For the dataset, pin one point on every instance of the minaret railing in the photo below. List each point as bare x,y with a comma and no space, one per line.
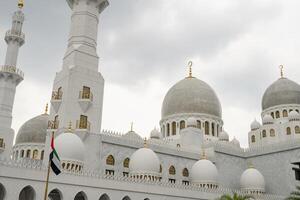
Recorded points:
11,69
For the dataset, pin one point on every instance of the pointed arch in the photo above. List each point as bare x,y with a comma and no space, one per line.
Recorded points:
185,172
272,133
35,154
27,193
182,124
104,197
288,131
55,195
110,160
126,198
285,113
80,196
172,170
2,192
173,128
206,127
253,138
126,163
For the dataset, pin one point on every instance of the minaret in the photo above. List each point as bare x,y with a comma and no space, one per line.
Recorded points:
10,77
78,88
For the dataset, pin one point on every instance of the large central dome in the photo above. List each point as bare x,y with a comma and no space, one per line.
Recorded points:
191,95
282,91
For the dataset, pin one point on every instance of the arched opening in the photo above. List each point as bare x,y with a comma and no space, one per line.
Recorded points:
55,195
35,154
28,152
172,170
173,128
126,163
146,199
126,198
272,133
2,192
218,130
110,160
285,113
80,196
27,193
264,133
277,114
206,128
168,129
297,129
160,169
163,130
272,114
199,124
16,156
213,129
182,124
288,131
185,172
104,197
42,154
253,138
22,154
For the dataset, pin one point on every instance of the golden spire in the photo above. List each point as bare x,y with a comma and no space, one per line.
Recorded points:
281,70
46,109
70,127
190,64
21,4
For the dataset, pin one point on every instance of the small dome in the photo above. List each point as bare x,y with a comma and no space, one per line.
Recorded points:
132,135
191,95
191,122
255,125
282,91
34,130
69,147
235,142
204,172
155,134
224,136
294,115
144,162
252,180
268,119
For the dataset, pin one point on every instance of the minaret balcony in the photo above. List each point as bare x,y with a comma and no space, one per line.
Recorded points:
53,125
83,125
13,35
12,70
2,145
85,100
56,100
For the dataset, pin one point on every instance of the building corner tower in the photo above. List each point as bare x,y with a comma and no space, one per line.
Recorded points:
77,96
10,77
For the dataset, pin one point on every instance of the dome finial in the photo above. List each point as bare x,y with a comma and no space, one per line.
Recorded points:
145,143
46,109
21,4
281,70
70,127
190,64
203,154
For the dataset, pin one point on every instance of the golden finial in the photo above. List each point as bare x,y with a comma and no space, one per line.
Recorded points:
145,143
281,70
46,109
190,64
21,4
70,127
203,154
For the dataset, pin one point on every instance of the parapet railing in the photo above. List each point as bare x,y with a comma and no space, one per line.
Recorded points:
11,69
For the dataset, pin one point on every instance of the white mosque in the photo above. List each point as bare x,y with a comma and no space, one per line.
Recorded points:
189,158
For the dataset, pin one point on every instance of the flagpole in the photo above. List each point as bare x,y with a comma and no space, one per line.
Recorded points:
48,174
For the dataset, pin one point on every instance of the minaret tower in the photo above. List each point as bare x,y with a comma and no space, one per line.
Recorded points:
10,77
78,88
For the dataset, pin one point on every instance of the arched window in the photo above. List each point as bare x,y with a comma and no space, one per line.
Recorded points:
126,198
288,131
126,163
253,138
22,154
206,128
55,195
168,129
172,170
217,130
42,154
35,154
16,157
213,129
272,114
277,114
80,196
182,124
110,160
173,128
297,129
199,124
2,192
27,193
160,169
83,122
104,197
185,172
285,113
272,133
264,133
28,152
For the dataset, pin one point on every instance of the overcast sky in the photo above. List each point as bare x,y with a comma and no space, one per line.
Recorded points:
144,46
